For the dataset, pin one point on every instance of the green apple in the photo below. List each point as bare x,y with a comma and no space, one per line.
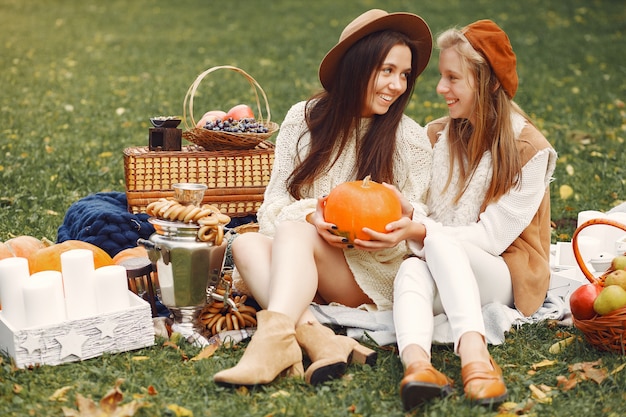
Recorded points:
617,277
610,299
619,262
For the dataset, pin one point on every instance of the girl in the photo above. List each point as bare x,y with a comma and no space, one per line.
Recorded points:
354,127
487,237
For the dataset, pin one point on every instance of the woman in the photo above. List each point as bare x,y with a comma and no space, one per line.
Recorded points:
487,236
353,128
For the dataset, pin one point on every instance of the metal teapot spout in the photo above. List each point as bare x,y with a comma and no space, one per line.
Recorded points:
155,251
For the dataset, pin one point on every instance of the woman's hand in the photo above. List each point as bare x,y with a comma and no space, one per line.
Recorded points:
325,229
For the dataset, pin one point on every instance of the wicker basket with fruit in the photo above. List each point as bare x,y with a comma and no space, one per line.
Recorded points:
236,129
601,317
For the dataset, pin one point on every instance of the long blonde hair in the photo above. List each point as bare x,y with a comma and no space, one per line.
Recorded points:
492,130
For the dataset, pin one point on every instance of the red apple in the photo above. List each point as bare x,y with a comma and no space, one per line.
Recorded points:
240,111
211,116
581,301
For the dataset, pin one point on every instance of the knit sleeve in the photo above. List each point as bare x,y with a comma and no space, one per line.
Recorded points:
278,204
413,167
502,222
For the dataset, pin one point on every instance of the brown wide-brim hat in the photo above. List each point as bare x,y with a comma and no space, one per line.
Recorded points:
377,20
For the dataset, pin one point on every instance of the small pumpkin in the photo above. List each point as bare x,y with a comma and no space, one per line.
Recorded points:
353,205
49,258
20,246
128,253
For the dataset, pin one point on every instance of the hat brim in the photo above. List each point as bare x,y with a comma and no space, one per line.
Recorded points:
411,25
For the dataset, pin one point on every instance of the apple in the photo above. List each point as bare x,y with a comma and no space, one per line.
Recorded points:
610,299
240,111
210,116
581,301
619,262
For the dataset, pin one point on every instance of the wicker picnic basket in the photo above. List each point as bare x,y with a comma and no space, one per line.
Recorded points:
219,140
235,179
607,332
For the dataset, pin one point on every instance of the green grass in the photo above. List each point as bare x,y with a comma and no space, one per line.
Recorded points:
80,80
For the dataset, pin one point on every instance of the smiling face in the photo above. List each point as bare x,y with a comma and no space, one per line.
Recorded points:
389,82
457,85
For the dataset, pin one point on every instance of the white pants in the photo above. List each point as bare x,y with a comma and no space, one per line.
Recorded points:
456,278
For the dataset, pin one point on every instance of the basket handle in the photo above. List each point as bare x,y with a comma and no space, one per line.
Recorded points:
579,259
188,102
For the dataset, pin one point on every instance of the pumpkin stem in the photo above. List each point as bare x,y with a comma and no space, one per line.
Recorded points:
47,242
366,181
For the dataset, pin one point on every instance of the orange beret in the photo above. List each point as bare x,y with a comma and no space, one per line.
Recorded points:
489,40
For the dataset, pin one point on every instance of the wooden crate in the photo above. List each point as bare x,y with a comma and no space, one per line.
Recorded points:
76,340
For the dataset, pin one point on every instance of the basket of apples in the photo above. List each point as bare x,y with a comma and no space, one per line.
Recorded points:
236,128
599,307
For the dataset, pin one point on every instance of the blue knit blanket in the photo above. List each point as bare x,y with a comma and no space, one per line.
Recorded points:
102,219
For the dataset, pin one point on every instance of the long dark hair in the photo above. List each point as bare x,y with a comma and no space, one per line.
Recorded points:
332,116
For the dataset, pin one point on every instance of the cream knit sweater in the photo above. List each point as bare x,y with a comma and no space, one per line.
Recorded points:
373,271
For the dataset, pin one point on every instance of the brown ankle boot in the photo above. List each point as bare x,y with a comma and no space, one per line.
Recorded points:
272,351
329,353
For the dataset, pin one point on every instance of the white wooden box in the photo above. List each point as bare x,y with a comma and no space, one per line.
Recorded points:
77,340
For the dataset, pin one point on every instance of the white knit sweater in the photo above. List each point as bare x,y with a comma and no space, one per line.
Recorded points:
503,221
373,271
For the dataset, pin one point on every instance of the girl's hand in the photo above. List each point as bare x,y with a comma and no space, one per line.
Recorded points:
396,232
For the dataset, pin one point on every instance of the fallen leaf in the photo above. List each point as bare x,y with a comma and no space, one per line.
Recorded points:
590,370
543,364
108,407
566,384
152,390
140,358
280,393
180,411
510,408
559,346
60,394
618,369
17,388
111,399
205,353
539,395
565,191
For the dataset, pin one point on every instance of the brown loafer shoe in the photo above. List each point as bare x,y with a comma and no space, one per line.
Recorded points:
482,384
421,383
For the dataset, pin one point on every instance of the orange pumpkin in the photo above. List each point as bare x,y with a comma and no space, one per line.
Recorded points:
20,246
49,258
134,252
353,205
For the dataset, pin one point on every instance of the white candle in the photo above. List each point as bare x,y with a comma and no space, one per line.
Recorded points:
77,266
111,288
43,299
586,215
13,272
